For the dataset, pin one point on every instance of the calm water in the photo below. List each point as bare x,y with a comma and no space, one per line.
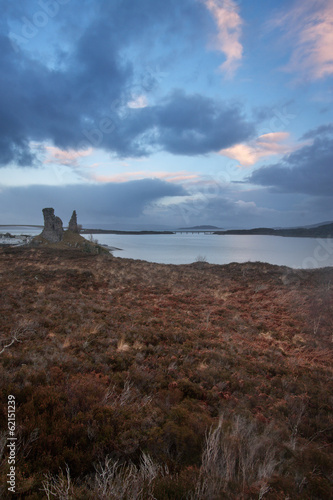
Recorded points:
186,248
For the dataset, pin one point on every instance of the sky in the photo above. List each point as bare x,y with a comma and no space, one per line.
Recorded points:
164,114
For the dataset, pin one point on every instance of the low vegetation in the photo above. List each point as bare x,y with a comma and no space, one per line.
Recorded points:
135,380
71,240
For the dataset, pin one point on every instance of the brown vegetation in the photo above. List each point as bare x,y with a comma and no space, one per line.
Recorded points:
136,380
70,239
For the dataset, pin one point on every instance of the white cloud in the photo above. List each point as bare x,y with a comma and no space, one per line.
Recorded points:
266,145
309,30
137,102
229,25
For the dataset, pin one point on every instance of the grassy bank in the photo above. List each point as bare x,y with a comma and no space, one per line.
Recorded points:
139,380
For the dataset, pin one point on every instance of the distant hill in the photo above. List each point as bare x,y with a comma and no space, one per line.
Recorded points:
319,224
308,226
318,231
199,228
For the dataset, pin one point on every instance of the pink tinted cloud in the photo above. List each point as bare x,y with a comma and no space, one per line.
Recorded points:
130,176
266,145
309,30
63,157
229,25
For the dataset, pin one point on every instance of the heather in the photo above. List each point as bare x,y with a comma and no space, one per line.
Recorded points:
139,380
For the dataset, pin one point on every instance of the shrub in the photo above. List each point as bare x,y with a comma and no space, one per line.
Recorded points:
237,454
115,481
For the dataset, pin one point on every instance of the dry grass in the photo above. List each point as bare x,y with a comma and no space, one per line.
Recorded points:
114,360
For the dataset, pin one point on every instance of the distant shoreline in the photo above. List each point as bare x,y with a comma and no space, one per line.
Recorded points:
20,225
112,231
324,231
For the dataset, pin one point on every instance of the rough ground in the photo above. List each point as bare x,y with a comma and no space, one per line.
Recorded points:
112,360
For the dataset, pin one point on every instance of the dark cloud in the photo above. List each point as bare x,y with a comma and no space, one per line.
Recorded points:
262,113
93,202
278,115
198,125
78,98
181,124
323,130
308,170
224,211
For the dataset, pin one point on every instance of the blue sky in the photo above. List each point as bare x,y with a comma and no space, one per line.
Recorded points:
166,113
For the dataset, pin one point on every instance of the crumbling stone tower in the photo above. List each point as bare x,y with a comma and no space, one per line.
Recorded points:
72,226
53,230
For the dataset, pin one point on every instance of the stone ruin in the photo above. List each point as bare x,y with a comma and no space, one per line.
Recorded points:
72,226
53,230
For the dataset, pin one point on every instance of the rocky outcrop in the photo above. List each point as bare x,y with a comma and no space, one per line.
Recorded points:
54,233
53,230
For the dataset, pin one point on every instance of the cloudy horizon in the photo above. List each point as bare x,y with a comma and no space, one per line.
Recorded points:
167,114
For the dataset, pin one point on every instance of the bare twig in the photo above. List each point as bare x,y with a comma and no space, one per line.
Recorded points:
18,335
60,486
316,323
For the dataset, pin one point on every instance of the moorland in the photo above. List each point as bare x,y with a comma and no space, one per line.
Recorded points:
139,380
